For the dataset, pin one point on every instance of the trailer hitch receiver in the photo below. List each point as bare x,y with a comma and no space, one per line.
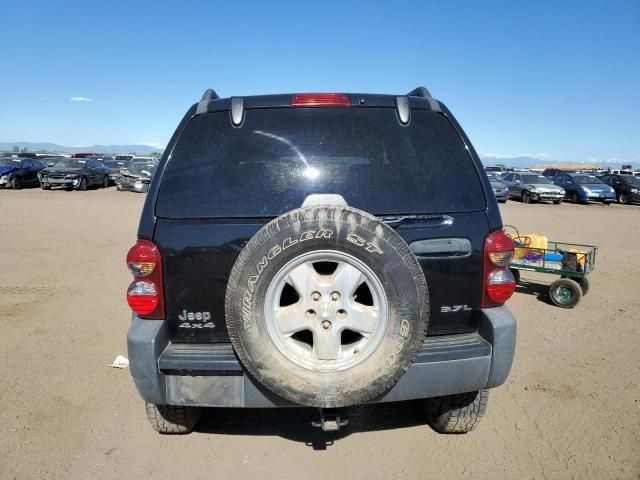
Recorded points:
330,421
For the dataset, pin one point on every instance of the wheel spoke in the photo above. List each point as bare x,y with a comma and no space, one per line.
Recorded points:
361,318
304,279
291,319
326,344
346,279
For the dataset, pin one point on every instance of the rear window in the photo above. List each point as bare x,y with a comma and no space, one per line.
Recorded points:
280,156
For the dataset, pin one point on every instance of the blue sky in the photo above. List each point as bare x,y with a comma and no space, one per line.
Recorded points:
556,80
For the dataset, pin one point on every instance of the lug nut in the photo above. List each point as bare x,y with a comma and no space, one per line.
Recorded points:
310,314
326,324
341,314
335,296
316,296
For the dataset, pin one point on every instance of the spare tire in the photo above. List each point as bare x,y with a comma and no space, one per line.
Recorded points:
327,306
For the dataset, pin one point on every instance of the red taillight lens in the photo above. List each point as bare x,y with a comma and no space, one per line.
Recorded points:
142,258
145,294
499,283
500,248
320,100
142,297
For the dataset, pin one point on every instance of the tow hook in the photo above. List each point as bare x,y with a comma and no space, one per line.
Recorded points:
330,420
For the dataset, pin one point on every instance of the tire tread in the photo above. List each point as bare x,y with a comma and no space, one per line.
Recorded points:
458,413
172,419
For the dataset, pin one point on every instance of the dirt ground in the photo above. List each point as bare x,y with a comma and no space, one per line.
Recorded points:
570,409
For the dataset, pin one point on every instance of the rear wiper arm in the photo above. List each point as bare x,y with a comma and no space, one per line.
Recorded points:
431,220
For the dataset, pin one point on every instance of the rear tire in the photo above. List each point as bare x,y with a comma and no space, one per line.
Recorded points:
16,183
105,181
458,413
565,293
557,202
526,197
623,198
83,184
172,419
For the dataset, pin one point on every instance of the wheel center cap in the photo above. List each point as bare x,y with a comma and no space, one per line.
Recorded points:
326,311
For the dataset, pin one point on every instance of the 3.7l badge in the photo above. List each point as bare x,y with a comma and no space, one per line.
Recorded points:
455,308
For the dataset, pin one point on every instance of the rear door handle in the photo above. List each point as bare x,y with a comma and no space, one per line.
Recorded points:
441,247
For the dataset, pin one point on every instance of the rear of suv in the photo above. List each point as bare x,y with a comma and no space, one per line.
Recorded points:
320,250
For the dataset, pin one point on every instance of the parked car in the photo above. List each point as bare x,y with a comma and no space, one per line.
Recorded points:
102,158
275,268
50,161
500,190
581,187
74,173
550,173
495,170
84,154
19,154
115,166
137,175
528,186
627,187
18,172
123,158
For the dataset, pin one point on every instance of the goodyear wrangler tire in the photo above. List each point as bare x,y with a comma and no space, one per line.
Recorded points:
326,306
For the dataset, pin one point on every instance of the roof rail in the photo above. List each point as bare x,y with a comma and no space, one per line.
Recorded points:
209,94
419,92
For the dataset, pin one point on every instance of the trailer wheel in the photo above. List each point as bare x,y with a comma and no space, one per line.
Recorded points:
565,293
583,282
584,285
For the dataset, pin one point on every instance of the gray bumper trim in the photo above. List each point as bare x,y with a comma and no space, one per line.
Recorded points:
145,342
211,375
498,327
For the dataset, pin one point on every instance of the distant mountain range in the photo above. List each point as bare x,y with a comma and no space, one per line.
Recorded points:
528,162
516,162
54,147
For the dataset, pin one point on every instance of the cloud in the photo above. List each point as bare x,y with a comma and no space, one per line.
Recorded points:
81,99
498,156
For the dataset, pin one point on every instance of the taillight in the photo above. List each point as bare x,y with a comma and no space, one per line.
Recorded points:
145,294
499,283
320,100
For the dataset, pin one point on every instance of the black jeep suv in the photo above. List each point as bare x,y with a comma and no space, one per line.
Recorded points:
319,250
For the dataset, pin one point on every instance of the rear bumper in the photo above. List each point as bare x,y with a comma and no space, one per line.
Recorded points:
598,197
547,196
210,375
501,195
60,182
133,186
